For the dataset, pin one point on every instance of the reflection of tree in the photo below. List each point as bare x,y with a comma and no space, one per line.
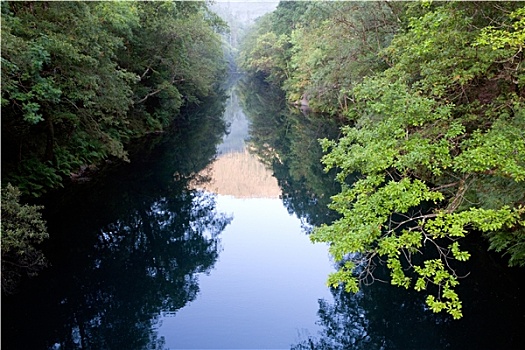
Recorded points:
265,107
287,141
308,187
124,249
344,323
145,263
378,317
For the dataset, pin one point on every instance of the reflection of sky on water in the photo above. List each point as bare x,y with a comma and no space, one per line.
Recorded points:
263,291
238,129
236,172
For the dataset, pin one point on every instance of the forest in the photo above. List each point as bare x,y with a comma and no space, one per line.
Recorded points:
81,83
430,96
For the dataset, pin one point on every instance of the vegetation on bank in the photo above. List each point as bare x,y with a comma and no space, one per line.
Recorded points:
433,147
82,80
22,230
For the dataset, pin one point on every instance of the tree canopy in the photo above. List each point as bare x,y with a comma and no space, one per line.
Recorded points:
80,80
433,146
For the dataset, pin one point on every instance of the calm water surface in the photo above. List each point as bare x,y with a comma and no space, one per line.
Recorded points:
264,289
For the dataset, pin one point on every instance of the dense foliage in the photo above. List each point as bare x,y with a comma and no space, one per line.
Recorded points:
80,80
22,229
434,143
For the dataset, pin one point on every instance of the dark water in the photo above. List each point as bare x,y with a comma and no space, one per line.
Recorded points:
141,258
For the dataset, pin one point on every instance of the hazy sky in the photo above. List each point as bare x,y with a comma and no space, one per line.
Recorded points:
246,9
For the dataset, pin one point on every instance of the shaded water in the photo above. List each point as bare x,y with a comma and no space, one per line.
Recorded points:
144,258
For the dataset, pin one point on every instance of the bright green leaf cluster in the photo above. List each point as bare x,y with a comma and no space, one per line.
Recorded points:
407,136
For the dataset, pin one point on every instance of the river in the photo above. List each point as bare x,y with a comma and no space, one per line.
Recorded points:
201,242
